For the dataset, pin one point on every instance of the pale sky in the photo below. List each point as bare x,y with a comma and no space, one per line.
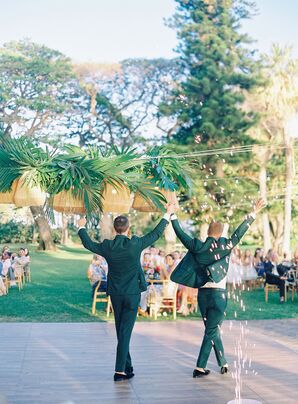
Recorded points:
112,30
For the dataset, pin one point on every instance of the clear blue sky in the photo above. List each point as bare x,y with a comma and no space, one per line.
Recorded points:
112,30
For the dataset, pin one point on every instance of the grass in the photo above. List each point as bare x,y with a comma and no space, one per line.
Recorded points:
60,292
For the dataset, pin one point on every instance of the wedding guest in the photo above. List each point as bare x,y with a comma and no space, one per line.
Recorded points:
97,272
258,261
5,248
234,276
7,269
249,272
27,264
271,274
6,265
168,267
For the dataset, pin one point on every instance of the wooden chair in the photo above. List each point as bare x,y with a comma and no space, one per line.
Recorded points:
6,283
259,282
168,299
101,297
272,288
18,275
27,273
292,285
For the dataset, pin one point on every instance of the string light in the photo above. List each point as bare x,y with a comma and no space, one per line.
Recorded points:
214,152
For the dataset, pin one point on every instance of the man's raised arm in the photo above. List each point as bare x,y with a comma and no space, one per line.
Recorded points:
155,234
90,245
192,244
240,231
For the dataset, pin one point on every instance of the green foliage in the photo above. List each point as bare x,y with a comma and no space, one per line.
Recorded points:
15,232
122,99
84,173
166,170
33,82
217,68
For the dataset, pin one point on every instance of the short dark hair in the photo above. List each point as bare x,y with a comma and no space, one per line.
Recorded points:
121,224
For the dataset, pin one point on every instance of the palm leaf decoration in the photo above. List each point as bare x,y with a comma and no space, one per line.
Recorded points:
166,170
22,157
85,173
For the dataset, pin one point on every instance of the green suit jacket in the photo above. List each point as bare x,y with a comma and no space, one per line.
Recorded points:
125,275
206,261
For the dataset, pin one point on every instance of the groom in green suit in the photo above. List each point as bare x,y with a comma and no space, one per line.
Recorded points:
125,281
205,267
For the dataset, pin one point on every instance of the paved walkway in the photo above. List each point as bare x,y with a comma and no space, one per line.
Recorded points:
73,363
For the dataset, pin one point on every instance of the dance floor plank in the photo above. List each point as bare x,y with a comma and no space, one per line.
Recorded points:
73,363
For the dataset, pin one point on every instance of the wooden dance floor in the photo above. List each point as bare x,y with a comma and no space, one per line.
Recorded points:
74,363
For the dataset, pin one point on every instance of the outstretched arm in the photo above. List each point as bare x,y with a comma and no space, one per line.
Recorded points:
90,245
240,231
154,235
192,244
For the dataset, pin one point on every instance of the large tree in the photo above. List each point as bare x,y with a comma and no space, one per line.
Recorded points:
277,105
33,92
205,107
217,66
117,104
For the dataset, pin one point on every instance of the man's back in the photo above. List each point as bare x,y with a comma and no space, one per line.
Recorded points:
125,275
123,257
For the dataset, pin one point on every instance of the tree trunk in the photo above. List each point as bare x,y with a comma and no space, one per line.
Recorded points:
265,217
288,194
35,234
278,226
65,235
106,226
45,235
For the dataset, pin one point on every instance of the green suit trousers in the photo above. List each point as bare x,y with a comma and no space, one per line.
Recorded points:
125,312
212,303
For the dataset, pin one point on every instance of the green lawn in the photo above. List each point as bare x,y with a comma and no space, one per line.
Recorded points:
60,292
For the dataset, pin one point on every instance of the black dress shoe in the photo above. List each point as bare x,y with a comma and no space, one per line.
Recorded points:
119,377
199,373
129,370
224,369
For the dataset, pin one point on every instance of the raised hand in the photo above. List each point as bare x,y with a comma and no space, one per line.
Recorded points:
82,222
259,205
170,208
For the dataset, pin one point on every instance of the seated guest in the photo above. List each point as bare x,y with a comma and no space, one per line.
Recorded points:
3,290
177,257
271,274
156,258
258,262
6,265
168,267
27,264
5,248
20,260
234,276
249,272
97,272
147,264
7,269
162,254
